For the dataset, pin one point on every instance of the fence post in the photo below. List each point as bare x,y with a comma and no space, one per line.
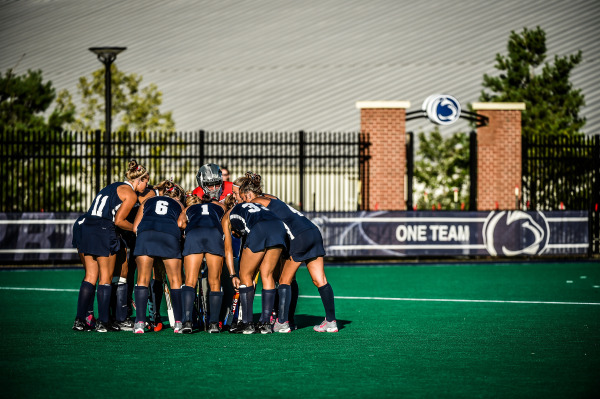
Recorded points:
98,159
473,171
301,152
594,213
201,149
409,170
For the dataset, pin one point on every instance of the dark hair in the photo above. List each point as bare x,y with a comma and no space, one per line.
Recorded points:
251,184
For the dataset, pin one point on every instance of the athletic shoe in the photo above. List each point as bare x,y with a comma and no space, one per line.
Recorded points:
91,321
187,327
138,327
248,328
79,325
177,327
326,326
265,328
236,327
113,326
101,327
213,328
281,327
125,325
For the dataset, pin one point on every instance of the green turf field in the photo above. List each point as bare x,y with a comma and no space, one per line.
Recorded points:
513,330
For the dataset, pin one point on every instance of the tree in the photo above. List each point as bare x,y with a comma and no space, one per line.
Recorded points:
442,165
32,176
134,108
552,105
25,98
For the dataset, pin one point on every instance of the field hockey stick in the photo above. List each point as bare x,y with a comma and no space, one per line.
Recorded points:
169,305
199,312
203,282
234,308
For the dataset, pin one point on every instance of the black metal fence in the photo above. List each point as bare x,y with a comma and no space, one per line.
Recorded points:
563,173
62,171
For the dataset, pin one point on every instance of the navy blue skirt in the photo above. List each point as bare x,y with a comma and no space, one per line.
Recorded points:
307,245
204,240
76,240
98,237
157,244
266,234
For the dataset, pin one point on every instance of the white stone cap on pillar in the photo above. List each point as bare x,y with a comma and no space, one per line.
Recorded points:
499,106
382,104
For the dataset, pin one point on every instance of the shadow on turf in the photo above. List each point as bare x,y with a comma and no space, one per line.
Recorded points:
309,321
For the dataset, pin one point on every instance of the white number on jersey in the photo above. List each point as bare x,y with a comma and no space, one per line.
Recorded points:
297,212
205,210
161,207
99,204
252,207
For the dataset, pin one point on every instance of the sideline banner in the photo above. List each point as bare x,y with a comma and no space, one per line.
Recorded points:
422,233
37,236
47,236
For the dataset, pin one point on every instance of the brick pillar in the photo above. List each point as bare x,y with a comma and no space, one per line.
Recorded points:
385,122
498,155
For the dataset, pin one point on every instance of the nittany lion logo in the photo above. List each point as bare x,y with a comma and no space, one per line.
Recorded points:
441,109
512,233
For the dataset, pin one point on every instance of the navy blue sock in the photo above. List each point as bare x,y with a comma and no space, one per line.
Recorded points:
268,303
215,299
85,298
188,295
293,301
91,299
285,294
176,302
326,293
141,294
112,308
246,303
103,296
121,308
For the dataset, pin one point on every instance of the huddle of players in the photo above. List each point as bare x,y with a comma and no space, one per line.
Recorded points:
275,236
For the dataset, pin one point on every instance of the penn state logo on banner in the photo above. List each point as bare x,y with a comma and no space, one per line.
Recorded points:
512,233
441,109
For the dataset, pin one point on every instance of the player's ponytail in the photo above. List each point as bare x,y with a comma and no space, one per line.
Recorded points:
135,170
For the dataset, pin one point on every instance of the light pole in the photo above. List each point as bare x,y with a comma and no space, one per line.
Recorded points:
107,55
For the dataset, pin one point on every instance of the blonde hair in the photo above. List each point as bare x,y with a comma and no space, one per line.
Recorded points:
135,170
170,189
191,199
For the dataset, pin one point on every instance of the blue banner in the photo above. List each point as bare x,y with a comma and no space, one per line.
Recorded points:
498,233
47,236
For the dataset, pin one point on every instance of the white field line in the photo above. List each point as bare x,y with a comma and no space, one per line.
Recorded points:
39,289
367,298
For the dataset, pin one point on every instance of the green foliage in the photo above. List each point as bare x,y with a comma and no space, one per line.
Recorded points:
442,165
32,175
134,108
25,98
552,105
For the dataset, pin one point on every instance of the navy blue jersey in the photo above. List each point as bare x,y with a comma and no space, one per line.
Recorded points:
262,228
160,214
107,202
293,219
244,216
204,215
